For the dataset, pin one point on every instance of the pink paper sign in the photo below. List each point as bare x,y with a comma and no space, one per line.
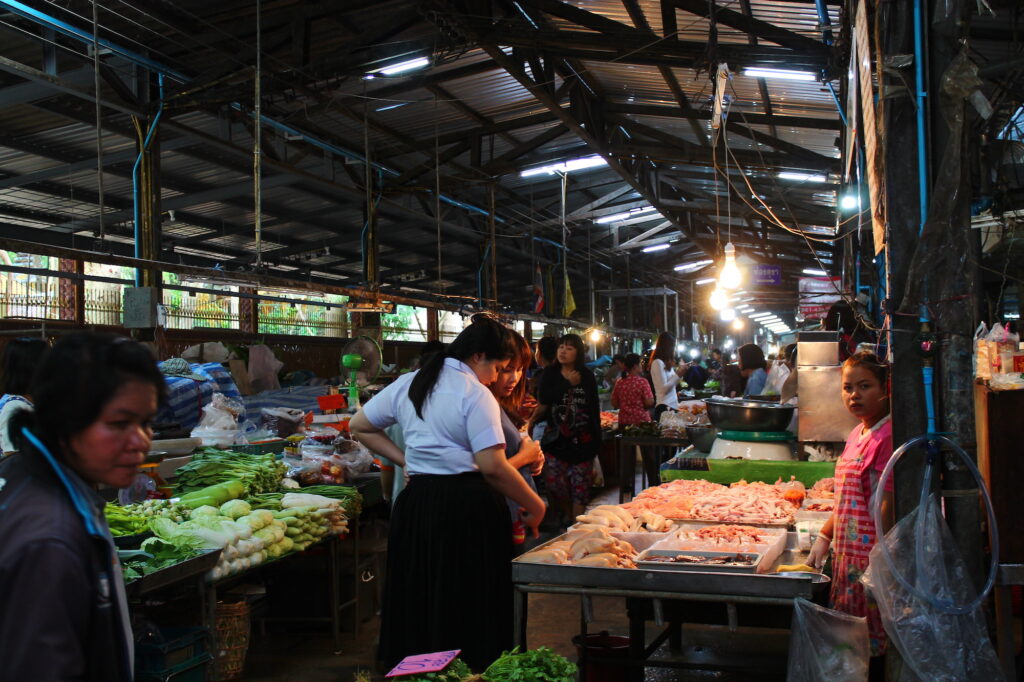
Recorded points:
424,663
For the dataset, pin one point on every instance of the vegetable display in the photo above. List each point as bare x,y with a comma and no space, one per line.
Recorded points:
537,665
123,522
209,467
214,495
457,671
174,511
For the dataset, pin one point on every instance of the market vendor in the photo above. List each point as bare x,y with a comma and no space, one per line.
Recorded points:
64,614
633,399
449,576
18,363
851,532
665,372
753,367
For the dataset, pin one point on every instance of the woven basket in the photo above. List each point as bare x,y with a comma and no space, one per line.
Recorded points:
232,639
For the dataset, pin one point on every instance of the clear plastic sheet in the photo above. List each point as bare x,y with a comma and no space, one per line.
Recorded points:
939,262
827,645
936,646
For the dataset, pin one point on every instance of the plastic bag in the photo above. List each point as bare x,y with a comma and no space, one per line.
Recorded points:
219,425
935,646
282,421
827,645
777,376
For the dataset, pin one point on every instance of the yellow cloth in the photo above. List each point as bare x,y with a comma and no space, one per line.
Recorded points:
789,568
569,302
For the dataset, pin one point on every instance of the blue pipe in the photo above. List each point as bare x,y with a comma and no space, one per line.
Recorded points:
839,106
135,178
826,23
479,270
64,28
922,152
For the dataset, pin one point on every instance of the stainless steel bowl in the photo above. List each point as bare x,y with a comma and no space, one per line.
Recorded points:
734,414
702,437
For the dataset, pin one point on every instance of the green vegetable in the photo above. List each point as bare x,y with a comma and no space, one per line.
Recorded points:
121,522
205,510
214,495
209,466
351,499
235,509
537,665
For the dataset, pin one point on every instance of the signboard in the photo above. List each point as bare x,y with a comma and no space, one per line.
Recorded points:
817,294
766,275
424,663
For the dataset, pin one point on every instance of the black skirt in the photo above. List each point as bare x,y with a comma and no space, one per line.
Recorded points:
449,574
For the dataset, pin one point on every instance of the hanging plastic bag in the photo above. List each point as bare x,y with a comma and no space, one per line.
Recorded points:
777,376
827,645
936,646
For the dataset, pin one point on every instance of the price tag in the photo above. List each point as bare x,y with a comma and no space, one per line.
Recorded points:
424,663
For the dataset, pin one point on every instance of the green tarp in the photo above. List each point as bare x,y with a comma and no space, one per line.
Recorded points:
729,471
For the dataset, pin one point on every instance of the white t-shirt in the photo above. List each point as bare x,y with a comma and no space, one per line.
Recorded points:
665,381
6,412
460,417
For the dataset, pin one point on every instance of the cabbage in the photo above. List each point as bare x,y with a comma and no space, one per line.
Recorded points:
235,509
205,510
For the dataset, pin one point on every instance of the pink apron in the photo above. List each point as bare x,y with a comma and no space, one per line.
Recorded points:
854,534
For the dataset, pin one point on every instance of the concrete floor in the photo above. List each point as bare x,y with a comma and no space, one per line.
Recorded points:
553,621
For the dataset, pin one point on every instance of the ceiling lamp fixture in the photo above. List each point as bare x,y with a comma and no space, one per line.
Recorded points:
784,74
727,314
401,67
849,202
582,163
656,247
595,335
719,299
737,324
814,272
730,276
686,267
616,217
802,177
706,280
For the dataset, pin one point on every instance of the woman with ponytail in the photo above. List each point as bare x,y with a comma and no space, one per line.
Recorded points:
64,614
449,578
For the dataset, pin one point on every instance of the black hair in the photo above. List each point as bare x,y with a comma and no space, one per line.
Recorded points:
751,357
630,361
547,348
716,350
789,353
621,358
76,380
664,349
18,363
483,335
429,347
576,342
870,362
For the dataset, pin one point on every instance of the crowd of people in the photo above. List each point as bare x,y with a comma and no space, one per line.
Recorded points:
470,432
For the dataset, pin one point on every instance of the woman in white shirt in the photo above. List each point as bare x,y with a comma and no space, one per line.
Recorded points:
449,578
665,373
18,364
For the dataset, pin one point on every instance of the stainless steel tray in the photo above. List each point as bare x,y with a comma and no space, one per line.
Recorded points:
194,567
644,560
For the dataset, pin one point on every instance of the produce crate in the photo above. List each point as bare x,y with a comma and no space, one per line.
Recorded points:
179,645
192,670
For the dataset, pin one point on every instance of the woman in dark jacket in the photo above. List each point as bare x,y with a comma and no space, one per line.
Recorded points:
64,614
567,399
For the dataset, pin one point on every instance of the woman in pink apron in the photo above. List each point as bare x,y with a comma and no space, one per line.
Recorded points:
851,532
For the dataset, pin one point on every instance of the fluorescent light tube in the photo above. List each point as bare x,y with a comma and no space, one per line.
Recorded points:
402,67
603,220
655,247
802,177
702,282
816,273
584,163
785,74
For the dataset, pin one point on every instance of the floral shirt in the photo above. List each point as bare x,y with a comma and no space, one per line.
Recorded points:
630,394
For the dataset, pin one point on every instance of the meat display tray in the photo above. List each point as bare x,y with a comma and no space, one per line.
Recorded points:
750,564
646,579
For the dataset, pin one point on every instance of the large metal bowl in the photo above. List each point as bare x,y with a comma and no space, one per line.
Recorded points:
702,437
729,414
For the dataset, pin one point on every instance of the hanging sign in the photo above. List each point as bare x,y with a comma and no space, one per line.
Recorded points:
424,663
817,294
766,275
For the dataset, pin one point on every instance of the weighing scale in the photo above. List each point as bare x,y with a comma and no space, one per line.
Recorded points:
771,445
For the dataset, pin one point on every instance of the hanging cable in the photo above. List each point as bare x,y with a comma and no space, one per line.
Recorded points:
102,234
437,193
257,165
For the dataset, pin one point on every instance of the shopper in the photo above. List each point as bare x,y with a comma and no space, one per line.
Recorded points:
449,581
567,402
547,348
615,371
18,362
524,453
851,531
64,614
665,373
753,367
633,398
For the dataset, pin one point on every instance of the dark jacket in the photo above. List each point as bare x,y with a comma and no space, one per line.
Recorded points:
61,617
573,432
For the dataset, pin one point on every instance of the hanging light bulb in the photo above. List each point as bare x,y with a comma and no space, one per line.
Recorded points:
737,324
719,299
730,277
728,314
595,336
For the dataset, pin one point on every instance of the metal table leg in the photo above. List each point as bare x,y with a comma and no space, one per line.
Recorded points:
1004,629
637,647
627,472
334,588
520,615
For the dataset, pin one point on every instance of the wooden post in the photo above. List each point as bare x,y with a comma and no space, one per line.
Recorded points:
433,332
248,312
72,292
